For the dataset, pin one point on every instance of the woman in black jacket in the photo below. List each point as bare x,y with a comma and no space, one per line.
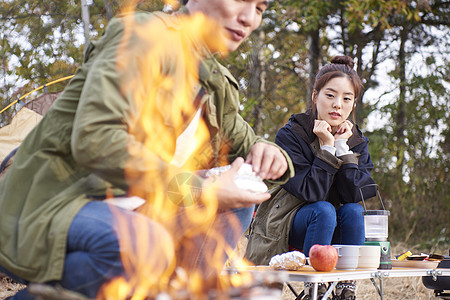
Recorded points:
331,161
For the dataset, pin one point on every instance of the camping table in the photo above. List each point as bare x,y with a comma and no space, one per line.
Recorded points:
307,273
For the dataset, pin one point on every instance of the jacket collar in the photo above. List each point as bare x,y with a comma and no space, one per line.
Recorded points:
303,125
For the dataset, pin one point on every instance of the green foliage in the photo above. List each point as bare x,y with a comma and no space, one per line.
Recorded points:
418,196
376,13
38,45
42,41
284,58
412,168
311,14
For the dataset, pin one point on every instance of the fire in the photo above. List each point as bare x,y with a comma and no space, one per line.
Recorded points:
167,260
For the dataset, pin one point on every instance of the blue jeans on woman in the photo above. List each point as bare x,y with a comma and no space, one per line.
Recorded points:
320,223
93,251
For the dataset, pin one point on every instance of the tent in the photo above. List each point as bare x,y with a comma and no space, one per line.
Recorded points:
12,135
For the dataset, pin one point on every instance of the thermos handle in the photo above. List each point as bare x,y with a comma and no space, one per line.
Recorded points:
378,193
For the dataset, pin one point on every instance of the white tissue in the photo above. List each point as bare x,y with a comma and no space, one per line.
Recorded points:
245,178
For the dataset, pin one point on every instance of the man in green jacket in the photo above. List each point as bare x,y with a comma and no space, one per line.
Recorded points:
88,146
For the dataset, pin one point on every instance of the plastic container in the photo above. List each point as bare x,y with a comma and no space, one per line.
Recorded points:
376,225
375,221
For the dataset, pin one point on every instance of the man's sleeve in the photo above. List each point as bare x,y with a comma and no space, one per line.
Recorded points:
242,138
101,139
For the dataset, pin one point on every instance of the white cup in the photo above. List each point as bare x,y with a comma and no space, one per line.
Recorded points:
348,256
369,257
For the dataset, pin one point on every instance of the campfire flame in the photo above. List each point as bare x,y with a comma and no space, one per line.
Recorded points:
162,80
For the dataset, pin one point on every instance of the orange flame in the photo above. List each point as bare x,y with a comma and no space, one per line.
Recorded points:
159,74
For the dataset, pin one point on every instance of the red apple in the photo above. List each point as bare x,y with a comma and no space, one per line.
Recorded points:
323,257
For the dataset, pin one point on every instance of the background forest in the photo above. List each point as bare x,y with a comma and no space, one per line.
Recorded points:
401,49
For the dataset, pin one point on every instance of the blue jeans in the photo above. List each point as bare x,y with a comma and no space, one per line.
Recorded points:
93,251
320,223
202,247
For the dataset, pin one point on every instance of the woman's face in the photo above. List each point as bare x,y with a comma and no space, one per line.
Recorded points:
335,101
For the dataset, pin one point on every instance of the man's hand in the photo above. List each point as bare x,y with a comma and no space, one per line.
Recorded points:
267,161
344,131
227,193
323,131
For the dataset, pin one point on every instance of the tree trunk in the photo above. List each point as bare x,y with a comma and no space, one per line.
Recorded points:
109,13
359,68
313,56
257,81
344,35
401,105
86,23
4,89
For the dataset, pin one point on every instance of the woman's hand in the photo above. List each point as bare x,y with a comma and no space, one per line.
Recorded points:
344,131
323,131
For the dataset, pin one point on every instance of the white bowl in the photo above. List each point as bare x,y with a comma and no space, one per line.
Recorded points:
369,257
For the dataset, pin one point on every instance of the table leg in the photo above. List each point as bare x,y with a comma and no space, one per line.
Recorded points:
330,290
292,290
297,296
376,286
314,291
300,296
379,289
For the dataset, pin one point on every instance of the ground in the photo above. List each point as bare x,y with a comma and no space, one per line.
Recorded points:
410,288
7,287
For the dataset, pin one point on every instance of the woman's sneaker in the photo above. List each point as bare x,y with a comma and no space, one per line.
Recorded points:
346,290
321,290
